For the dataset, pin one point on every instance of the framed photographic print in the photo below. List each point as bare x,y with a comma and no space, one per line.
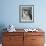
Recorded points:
26,13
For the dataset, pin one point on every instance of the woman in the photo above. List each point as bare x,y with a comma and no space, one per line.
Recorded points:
26,14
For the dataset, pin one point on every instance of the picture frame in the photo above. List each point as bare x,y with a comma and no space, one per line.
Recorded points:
26,13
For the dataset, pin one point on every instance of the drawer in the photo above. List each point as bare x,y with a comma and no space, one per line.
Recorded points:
12,38
12,44
13,33
37,44
27,37
37,39
27,41
34,33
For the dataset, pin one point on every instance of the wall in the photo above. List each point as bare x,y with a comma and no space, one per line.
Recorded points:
10,13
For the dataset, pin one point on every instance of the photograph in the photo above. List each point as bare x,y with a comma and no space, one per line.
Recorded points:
26,13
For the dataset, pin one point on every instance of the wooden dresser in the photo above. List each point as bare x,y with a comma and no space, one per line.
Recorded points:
23,38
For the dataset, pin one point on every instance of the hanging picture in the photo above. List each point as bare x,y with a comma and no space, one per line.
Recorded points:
26,13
